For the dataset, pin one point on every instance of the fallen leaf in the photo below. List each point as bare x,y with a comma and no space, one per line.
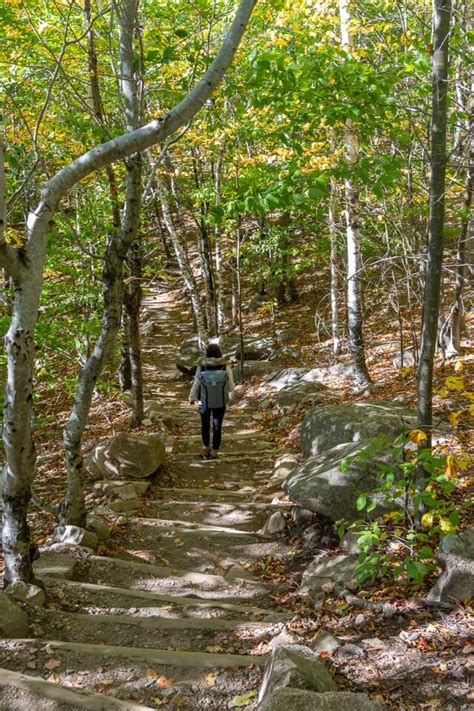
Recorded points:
211,680
156,700
164,682
244,699
107,682
214,648
178,542
151,674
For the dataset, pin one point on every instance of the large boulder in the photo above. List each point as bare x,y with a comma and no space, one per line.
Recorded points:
254,367
301,700
255,348
295,666
326,426
300,393
456,556
329,372
127,456
320,485
13,621
286,376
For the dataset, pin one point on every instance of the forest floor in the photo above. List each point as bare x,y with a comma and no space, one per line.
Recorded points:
180,607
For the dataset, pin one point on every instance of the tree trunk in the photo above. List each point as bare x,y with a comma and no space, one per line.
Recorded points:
431,302
334,260
204,250
184,266
25,266
133,305
354,309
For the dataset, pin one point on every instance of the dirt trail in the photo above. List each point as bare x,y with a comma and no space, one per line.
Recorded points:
176,618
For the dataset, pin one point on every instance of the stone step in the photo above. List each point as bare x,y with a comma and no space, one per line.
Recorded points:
140,675
246,516
22,691
164,657
84,596
239,637
168,581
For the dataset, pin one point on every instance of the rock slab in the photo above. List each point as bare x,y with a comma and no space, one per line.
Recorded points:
127,456
456,583
13,621
301,700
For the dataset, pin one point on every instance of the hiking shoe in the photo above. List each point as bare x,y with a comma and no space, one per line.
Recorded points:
205,453
214,454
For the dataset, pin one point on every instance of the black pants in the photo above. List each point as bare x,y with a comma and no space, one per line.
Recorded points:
217,420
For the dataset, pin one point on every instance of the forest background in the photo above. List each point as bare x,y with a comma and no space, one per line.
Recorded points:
305,176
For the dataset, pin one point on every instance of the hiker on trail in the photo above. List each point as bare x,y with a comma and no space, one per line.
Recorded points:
212,385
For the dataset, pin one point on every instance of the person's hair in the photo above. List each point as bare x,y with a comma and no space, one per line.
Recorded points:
213,351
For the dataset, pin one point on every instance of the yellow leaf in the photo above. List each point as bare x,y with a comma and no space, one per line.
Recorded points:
151,674
427,520
417,436
107,682
459,366
453,382
454,417
214,648
211,680
446,525
179,542
156,700
450,470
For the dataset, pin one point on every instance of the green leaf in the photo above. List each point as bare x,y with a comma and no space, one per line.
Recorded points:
361,502
244,699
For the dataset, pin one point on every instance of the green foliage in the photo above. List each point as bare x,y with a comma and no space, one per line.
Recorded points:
396,543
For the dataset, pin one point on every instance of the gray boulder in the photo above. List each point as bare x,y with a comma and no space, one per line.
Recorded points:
286,376
326,426
13,621
318,484
127,456
285,335
295,666
255,348
98,526
320,375
255,367
301,700
339,569
456,556
300,393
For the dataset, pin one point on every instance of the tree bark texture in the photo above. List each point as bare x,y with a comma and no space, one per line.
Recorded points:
354,308
25,267
184,266
434,263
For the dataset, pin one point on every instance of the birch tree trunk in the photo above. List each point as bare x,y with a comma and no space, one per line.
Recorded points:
220,277
354,309
184,266
431,302
25,267
204,250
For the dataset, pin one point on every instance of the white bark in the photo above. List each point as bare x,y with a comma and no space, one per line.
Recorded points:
354,311
26,265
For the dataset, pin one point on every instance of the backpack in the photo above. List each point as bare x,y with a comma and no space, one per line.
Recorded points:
214,387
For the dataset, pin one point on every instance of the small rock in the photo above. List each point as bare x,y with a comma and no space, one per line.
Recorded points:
389,610
275,525
302,517
360,620
350,650
98,526
325,642
283,639
27,593
75,535
122,520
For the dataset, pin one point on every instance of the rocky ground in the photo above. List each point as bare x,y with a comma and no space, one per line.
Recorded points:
193,592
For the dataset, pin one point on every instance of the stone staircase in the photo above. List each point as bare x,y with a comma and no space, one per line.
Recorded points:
175,618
